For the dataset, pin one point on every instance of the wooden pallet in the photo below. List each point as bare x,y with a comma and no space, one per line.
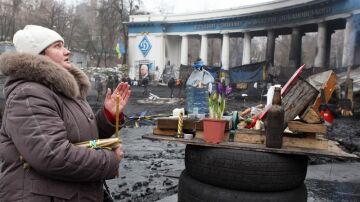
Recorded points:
253,140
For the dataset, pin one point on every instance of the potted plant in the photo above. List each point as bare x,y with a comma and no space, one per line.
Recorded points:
214,126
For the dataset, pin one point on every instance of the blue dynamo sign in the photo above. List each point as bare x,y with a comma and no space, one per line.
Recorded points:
145,46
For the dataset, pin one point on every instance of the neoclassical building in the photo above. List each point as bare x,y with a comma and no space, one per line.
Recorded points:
156,39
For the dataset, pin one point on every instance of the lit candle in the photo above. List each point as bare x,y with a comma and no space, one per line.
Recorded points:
180,126
117,116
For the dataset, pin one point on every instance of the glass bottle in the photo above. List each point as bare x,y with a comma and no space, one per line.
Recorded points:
274,123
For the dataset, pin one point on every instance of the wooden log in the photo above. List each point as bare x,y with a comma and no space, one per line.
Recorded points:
297,99
297,126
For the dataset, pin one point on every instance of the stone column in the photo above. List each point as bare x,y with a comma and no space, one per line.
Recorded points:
270,47
320,58
161,57
204,48
295,48
184,50
328,48
349,43
225,56
247,49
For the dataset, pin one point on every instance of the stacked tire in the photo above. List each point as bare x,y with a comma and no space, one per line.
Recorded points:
218,174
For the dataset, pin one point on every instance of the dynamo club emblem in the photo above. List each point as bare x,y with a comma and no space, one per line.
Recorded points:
145,46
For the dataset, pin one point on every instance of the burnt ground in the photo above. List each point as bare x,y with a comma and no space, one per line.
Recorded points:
150,169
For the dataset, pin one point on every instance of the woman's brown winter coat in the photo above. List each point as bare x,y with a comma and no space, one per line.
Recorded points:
45,113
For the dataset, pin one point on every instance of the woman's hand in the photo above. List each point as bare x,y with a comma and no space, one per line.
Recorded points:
119,152
123,89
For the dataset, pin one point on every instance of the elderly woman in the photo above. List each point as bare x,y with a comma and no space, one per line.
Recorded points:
46,112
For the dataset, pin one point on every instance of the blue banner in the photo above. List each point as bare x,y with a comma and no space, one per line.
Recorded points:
248,73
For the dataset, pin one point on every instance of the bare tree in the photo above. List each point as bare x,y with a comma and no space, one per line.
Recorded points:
336,50
308,50
124,9
8,15
282,50
258,49
236,47
84,26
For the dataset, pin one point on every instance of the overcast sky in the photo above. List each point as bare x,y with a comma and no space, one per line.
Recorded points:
184,6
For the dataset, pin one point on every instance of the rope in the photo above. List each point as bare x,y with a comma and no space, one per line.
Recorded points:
92,144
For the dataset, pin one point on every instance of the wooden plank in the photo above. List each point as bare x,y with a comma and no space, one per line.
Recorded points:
311,116
164,132
250,131
332,150
188,124
297,126
262,132
172,123
249,138
309,143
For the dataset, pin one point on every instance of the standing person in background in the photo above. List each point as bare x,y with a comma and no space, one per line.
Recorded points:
179,84
116,81
145,79
99,87
171,85
46,113
110,82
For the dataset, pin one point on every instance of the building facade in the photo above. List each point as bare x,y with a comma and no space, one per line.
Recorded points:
156,40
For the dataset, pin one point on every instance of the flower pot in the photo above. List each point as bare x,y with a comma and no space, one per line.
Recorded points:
214,130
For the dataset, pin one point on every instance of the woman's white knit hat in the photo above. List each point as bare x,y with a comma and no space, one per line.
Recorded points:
34,39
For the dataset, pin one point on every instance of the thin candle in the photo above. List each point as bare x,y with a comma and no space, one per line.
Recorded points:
180,126
117,116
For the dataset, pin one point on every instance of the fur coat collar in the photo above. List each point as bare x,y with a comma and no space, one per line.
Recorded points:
71,82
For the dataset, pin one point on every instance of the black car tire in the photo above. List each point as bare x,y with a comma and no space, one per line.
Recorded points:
191,190
245,170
